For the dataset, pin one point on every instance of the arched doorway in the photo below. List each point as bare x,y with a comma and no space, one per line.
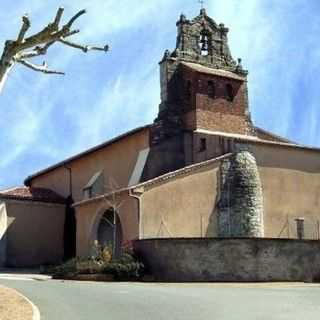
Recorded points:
109,231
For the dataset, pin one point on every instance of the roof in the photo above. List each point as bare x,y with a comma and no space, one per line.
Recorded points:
28,180
254,139
216,72
32,194
267,135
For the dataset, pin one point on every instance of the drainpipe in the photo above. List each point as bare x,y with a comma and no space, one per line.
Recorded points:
137,193
70,235
300,228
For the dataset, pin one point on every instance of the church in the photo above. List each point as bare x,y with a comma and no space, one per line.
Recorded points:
201,170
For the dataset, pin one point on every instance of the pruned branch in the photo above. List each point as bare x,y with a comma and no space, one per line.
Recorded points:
25,27
71,33
82,47
38,51
43,68
58,16
74,18
38,44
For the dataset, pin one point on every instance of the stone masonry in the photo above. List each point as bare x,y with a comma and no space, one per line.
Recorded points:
240,208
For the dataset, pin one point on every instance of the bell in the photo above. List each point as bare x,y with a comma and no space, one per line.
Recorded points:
204,46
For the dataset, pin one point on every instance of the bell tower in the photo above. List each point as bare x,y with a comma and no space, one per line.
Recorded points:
202,86
204,98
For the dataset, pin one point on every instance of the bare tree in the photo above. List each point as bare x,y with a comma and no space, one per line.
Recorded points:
22,49
112,200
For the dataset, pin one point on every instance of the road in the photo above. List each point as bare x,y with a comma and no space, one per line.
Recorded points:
58,300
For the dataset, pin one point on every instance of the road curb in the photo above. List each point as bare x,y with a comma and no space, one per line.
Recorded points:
35,309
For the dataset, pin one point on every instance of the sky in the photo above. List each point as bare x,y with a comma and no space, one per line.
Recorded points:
47,118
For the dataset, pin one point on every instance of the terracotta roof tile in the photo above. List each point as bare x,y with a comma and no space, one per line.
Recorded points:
217,72
32,194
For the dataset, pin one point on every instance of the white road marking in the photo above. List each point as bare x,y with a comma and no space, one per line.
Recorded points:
5,277
24,277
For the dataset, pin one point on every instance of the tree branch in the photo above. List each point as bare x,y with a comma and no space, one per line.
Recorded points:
38,51
83,47
74,18
38,44
43,68
25,27
71,33
58,17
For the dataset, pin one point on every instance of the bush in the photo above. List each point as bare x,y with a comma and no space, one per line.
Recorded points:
126,267
67,268
124,271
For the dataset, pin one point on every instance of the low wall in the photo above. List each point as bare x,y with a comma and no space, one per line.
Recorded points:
212,259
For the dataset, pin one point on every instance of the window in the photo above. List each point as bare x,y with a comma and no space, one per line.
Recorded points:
211,89
229,92
203,145
95,186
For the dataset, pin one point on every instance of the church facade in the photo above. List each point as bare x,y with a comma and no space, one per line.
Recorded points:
201,170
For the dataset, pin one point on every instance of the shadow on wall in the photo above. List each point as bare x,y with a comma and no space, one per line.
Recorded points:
288,158
212,229
32,234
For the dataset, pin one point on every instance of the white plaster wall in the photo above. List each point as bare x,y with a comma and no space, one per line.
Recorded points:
3,229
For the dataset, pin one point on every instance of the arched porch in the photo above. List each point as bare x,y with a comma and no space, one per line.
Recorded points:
92,225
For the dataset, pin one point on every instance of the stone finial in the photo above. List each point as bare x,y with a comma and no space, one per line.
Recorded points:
203,12
183,18
239,65
166,55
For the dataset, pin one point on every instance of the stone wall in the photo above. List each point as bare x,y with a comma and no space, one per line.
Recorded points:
240,208
231,259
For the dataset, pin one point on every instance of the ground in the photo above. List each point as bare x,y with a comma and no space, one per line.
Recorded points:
13,306
156,301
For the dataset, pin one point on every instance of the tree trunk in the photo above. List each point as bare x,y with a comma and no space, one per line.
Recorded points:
4,72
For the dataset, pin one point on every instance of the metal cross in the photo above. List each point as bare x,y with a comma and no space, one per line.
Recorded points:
202,3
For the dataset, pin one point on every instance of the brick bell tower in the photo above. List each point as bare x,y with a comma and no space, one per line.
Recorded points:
203,94
202,87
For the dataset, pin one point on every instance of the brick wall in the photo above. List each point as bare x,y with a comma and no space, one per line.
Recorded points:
218,112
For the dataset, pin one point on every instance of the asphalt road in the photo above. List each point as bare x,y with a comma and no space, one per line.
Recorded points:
59,300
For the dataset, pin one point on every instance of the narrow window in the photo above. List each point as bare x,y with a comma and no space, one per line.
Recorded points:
229,92
203,145
211,89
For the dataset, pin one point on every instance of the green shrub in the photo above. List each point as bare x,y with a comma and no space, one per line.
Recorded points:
67,268
126,267
124,271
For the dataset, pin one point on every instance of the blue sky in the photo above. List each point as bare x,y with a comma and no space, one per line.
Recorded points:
45,119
